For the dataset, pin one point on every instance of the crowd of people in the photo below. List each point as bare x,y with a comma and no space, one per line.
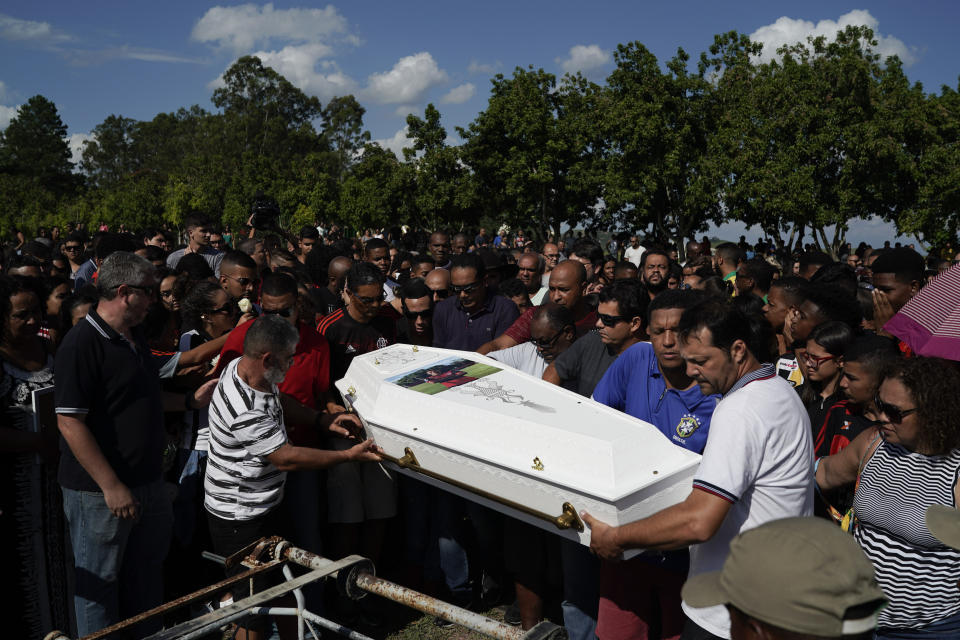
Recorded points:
192,387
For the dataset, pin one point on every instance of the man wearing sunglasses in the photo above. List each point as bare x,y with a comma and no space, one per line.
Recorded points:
470,316
238,276
416,304
649,381
438,280
73,250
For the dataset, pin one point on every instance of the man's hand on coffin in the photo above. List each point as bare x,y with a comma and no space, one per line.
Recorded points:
603,538
693,521
347,425
366,451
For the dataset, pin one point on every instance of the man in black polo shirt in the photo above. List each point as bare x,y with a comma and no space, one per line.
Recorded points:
110,412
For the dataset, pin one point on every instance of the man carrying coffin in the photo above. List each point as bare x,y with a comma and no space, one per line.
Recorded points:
757,465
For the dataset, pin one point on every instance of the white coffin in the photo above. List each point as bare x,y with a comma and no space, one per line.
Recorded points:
515,437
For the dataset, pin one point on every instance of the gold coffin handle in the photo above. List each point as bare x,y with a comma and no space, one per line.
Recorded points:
568,519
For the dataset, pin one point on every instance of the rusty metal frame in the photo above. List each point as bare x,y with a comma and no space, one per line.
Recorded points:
355,576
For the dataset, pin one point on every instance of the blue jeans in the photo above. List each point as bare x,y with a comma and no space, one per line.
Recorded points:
118,563
581,590
946,629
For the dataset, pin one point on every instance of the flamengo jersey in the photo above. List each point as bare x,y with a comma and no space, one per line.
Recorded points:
246,425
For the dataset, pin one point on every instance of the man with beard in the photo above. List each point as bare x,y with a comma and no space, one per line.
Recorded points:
649,381
654,268
634,251
250,453
757,465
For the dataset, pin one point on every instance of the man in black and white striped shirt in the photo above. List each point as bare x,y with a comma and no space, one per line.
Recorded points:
248,451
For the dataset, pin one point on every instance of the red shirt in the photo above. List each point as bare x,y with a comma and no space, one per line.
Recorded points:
520,329
306,381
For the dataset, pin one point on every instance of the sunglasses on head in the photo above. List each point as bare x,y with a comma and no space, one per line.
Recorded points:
283,313
894,413
611,321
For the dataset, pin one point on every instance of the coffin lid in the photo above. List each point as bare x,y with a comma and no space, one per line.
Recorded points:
511,420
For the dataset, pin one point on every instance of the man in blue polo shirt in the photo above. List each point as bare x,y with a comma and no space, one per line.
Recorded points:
649,381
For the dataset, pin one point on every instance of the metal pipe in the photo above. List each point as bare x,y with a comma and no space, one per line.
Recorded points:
330,625
568,518
298,596
422,602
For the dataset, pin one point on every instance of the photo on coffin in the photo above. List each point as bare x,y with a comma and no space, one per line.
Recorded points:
442,375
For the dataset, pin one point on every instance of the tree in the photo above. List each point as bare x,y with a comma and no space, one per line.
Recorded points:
658,124
109,156
374,192
531,160
441,194
343,132
34,145
818,138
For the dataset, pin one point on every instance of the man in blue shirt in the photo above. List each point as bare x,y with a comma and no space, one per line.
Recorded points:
649,381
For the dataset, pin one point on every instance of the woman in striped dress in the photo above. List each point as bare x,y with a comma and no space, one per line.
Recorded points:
907,463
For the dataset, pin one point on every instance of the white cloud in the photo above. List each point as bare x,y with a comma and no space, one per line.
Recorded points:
305,67
6,115
397,142
75,141
486,69
410,77
583,58
787,31
246,26
16,29
459,95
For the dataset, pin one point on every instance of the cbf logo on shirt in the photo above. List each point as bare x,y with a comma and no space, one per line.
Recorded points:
687,426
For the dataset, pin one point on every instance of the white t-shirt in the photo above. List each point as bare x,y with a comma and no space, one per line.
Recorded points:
523,357
634,255
759,457
538,298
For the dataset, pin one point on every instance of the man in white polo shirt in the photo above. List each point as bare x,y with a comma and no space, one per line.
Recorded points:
757,465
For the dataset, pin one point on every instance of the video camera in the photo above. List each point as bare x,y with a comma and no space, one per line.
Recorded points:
264,212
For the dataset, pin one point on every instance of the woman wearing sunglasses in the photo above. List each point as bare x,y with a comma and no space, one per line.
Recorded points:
909,462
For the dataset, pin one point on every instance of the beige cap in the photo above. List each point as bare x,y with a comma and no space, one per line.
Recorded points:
800,574
944,523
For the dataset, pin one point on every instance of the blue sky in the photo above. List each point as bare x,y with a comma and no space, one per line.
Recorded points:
141,58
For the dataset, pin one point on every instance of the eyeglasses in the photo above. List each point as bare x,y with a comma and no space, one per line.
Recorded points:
894,413
367,299
546,344
813,362
71,247
465,288
611,321
150,291
285,312
243,282
413,315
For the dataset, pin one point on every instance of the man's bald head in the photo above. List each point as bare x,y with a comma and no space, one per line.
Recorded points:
570,269
438,280
337,270
568,282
